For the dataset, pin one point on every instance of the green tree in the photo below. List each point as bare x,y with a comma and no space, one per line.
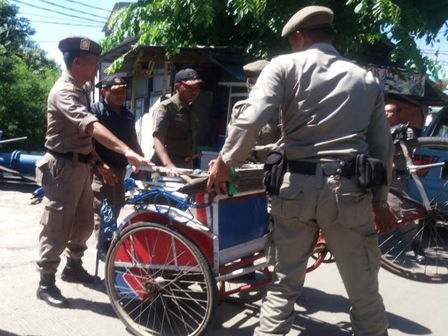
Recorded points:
256,25
27,77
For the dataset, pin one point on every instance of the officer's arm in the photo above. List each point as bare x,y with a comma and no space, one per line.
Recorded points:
162,121
380,147
108,140
263,104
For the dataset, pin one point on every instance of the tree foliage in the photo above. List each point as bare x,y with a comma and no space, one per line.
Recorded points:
255,25
27,77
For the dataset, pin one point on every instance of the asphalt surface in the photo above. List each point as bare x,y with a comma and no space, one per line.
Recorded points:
413,308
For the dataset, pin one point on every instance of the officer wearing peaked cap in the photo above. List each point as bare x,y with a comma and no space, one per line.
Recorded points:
271,132
112,112
64,171
176,123
332,111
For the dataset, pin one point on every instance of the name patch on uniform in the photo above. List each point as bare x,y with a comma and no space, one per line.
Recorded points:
180,117
85,44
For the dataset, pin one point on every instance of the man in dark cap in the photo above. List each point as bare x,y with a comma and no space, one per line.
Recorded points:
112,112
176,123
332,112
271,132
64,171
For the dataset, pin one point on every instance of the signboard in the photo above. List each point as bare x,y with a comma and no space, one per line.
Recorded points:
396,81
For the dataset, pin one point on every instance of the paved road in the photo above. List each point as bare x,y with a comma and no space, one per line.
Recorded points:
322,309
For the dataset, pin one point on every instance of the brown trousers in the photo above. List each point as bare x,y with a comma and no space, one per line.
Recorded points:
114,194
305,205
67,218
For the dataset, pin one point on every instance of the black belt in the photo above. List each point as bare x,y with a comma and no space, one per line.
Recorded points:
84,158
341,168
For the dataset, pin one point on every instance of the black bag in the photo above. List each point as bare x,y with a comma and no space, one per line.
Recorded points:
275,168
369,171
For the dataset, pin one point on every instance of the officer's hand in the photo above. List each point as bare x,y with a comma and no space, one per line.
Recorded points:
385,221
171,173
136,160
108,175
211,163
219,174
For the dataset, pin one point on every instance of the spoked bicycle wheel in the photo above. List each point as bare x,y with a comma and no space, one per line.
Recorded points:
418,249
159,283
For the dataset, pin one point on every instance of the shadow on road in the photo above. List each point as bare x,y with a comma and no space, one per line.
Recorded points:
101,308
7,333
98,287
19,187
310,302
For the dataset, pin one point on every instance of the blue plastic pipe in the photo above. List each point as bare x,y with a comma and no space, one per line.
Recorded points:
23,163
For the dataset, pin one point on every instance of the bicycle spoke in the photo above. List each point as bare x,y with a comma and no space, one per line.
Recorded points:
165,291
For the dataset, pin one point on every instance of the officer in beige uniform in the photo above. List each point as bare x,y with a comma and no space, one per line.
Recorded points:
332,110
64,171
176,123
271,132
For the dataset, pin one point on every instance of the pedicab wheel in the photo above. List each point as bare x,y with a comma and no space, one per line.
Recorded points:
418,250
159,282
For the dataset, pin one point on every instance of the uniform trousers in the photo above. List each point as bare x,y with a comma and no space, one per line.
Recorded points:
343,212
67,218
115,195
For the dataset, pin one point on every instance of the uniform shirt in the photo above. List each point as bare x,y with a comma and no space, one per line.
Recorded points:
122,125
331,109
68,117
269,134
177,124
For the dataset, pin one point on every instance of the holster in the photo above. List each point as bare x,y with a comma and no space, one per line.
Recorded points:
369,171
275,168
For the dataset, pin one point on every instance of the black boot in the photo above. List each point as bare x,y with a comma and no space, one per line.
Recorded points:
74,272
48,292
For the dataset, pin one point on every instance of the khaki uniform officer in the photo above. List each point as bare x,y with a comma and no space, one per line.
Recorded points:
64,171
332,110
177,123
271,132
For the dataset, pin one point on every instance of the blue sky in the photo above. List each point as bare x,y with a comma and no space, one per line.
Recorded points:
89,24
92,21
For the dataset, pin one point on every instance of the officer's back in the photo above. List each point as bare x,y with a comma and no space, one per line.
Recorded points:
329,101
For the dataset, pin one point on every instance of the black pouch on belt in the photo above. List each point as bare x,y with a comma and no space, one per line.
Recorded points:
275,168
369,171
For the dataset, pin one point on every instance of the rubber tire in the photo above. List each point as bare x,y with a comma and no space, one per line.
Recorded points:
208,275
394,267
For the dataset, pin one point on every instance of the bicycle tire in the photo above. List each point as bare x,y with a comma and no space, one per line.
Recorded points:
159,282
427,237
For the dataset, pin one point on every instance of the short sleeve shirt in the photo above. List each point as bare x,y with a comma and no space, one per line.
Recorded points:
68,117
177,124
